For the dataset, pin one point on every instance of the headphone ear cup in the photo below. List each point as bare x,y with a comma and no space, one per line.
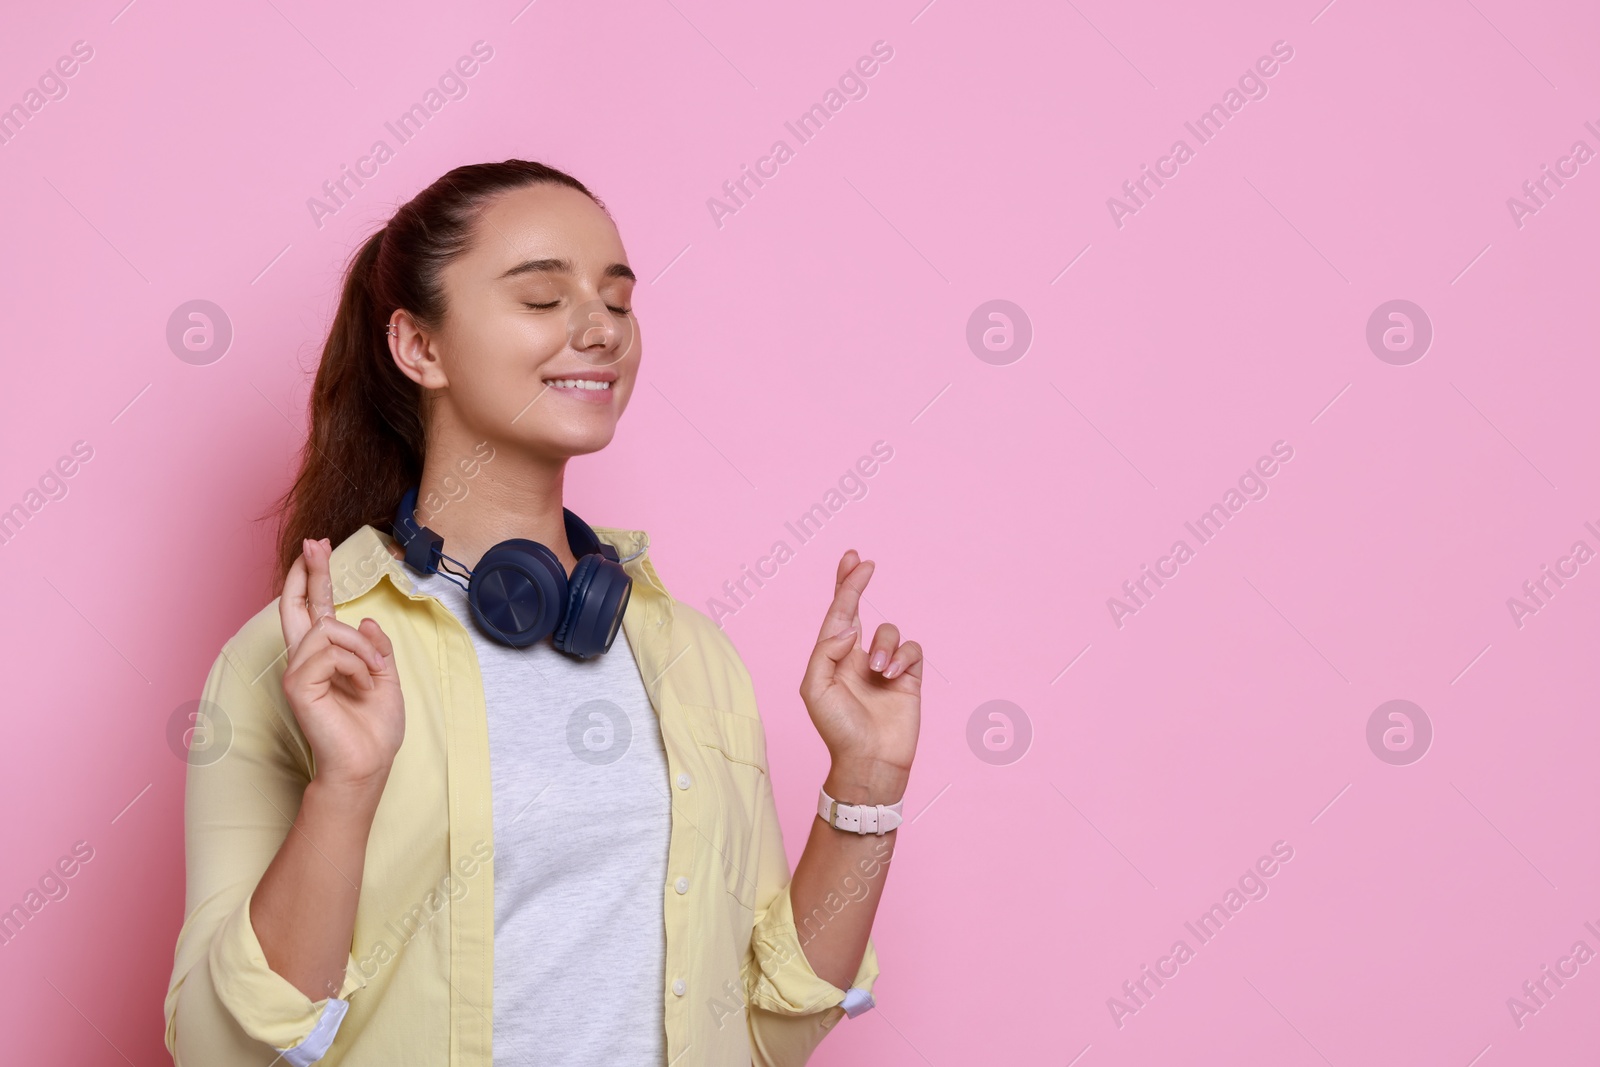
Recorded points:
597,597
518,592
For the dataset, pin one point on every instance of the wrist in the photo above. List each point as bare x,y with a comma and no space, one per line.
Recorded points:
865,782
356,799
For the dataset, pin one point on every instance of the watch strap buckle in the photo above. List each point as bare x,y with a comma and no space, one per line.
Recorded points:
876,819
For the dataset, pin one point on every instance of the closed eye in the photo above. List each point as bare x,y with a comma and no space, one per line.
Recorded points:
545,307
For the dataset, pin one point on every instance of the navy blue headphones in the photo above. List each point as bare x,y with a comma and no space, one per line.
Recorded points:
520,593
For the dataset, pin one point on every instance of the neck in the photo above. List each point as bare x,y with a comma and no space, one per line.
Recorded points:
508,496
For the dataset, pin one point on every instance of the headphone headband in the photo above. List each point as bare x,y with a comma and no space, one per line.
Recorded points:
424,548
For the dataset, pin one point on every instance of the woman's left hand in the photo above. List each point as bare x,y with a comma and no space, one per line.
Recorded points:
865,704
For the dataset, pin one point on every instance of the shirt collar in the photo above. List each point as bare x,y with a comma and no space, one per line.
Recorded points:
363,558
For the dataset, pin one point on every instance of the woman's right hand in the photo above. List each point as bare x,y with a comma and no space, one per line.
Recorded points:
340,680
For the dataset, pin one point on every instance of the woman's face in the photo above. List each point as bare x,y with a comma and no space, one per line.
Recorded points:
539,349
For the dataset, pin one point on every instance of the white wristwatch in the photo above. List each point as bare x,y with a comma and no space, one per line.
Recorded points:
859,818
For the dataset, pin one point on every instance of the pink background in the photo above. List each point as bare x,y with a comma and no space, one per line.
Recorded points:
831,312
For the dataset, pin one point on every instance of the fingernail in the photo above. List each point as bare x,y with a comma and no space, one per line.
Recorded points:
879,658
848,633
892,671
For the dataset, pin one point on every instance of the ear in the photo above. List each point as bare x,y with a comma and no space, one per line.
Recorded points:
412,350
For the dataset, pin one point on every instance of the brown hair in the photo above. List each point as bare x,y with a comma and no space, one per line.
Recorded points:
366,443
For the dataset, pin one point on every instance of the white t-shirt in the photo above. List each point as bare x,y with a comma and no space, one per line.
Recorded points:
582,820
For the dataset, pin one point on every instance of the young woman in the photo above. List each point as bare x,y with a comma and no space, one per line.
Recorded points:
478,790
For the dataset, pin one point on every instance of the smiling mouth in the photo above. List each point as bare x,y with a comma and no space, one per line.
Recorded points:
576,383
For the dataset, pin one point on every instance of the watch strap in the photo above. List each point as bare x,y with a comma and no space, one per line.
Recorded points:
859,818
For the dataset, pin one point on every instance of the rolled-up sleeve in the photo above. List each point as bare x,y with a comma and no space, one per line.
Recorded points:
224,1003
790,1008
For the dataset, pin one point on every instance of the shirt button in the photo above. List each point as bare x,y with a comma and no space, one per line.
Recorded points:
679,988
682,885
683,781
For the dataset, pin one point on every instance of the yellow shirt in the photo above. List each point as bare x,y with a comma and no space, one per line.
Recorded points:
738,988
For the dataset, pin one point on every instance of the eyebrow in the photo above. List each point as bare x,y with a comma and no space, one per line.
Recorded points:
564,266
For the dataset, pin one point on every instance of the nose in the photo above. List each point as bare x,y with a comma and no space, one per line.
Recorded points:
599,335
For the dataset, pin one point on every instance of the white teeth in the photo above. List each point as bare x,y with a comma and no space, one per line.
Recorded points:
577,383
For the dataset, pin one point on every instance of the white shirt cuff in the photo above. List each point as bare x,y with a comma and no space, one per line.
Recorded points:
317,1043
856,1001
